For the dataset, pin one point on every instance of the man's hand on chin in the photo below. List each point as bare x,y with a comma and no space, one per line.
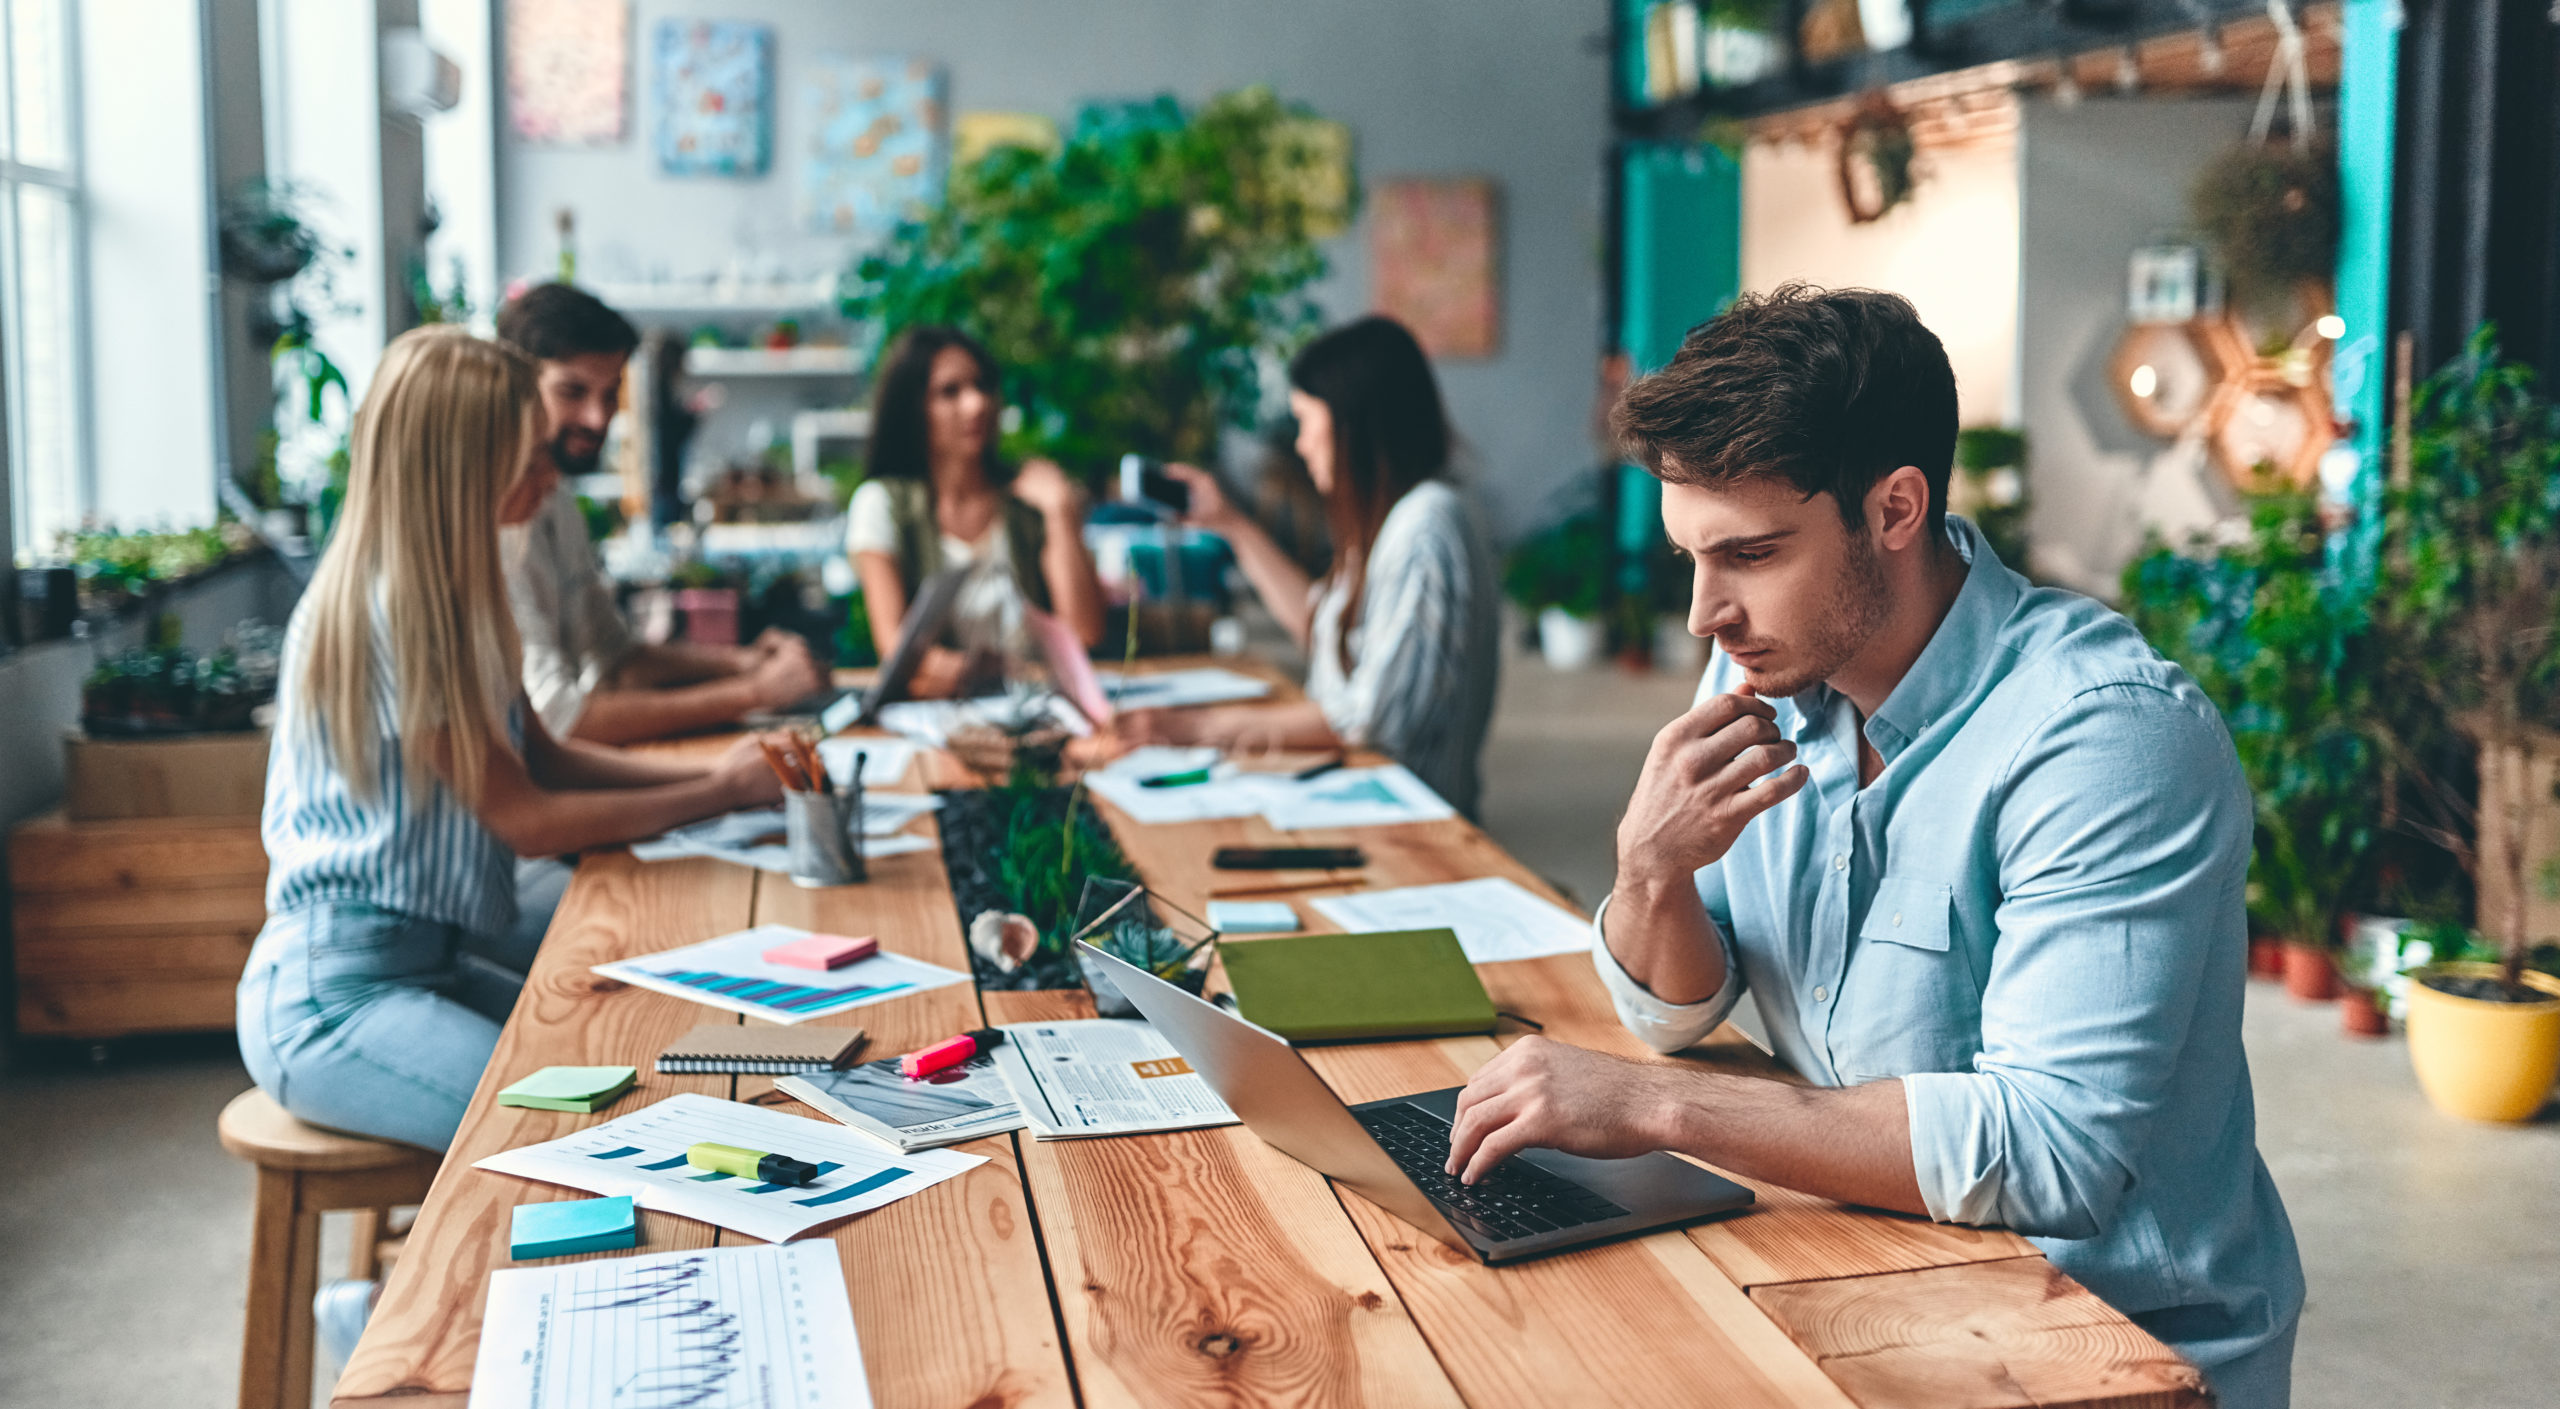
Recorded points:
1545,1095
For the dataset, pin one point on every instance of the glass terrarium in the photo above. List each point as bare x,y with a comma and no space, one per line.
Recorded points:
1132,923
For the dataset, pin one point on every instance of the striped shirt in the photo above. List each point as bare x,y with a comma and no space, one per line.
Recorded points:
423,856
1427,649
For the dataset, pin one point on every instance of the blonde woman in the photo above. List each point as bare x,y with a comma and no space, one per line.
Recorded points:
408,773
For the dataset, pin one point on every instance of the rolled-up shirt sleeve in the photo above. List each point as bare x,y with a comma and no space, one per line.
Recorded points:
2122,849
1664,1026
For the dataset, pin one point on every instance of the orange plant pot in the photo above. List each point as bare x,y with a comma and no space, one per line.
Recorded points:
2310,975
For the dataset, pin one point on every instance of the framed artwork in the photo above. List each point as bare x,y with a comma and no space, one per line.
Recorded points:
714,97
1435,261
565,65
879,144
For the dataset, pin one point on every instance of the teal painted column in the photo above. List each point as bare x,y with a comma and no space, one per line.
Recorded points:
1682,234
2360,366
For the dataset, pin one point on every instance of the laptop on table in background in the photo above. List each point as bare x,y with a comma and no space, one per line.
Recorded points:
838,710
1393,1151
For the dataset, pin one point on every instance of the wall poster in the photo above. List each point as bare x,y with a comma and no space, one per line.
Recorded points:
713,96
1435,262
565,65
878,143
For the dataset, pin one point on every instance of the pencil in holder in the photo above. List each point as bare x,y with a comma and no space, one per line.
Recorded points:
817,826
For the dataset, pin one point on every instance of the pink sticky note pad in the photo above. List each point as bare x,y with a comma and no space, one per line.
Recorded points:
822,951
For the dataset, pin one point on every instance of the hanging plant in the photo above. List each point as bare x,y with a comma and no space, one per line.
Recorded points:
1876,151
2270,214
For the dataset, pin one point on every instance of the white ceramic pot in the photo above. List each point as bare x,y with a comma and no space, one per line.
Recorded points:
1570,642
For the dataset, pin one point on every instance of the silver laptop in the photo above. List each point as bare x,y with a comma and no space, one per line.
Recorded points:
1394,1151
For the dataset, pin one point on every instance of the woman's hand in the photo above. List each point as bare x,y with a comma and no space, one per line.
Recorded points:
745,778
1209,506
1043,486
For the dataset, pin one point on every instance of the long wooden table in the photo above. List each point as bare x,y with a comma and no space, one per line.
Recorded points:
1207,1268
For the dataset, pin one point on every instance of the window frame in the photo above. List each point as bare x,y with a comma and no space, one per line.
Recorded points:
66,180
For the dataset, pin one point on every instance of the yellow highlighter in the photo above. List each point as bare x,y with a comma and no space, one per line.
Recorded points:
750,1164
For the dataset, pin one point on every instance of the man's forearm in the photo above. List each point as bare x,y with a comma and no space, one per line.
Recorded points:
1660,933
630,716
1848,1143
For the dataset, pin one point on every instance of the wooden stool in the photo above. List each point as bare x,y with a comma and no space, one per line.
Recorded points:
303,1172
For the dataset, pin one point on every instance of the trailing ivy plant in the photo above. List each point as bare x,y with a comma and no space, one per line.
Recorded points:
2468,606
2283,650
1131,283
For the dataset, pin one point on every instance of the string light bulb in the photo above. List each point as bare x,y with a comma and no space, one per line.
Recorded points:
2331,326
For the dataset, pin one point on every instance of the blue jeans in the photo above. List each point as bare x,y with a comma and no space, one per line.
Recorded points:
375,1023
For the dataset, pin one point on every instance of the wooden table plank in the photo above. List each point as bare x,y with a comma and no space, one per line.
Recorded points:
425,1333
1204,1266
948,1288
1982,1336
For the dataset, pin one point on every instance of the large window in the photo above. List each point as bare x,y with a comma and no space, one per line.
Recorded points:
40,272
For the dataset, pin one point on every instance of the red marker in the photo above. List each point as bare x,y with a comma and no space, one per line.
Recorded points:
950,1052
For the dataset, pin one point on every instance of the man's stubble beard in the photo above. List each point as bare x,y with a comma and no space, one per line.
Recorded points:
572,465
1855,612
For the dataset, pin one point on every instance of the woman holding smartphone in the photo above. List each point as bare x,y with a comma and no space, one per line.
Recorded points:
937,496
408,772
1402,631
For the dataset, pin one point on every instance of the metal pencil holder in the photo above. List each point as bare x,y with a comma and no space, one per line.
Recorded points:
822,833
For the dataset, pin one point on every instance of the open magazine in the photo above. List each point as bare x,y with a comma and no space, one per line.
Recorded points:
1104,1076
955,1104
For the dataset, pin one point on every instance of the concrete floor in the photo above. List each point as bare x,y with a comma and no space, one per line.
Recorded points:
2431,1246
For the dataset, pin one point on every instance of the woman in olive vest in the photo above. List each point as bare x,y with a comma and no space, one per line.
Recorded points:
936,495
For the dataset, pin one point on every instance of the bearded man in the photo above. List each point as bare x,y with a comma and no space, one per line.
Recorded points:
1975,849
583,672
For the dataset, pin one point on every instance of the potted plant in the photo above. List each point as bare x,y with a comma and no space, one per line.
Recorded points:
1560,576
2468,609
2277,641
1990,488
1133,282
1134,925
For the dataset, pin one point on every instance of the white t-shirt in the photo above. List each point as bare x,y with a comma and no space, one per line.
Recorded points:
574,636
988,614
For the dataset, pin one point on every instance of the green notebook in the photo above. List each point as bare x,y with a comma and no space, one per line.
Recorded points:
1348,987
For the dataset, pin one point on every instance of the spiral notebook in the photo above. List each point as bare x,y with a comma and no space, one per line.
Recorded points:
761,1051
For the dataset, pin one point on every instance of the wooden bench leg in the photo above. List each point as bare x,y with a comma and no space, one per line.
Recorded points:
284,1273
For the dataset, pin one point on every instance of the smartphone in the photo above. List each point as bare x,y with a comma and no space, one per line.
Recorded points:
1143,480
1288,858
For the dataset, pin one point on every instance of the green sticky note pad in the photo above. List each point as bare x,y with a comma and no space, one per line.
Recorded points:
570,1088
1348,987
579,1225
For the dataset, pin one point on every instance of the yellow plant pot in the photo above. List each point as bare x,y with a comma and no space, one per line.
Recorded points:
2480,1060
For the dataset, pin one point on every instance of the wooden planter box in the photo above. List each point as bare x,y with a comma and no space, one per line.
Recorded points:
133,926
186,775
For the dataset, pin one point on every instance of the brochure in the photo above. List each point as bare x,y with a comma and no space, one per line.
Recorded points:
954,1104
1104,1076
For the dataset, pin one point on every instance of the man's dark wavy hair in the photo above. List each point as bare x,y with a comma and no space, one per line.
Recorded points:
1829,390
551,321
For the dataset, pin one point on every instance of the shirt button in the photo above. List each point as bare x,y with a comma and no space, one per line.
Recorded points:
1840,862
1822,995
1897,918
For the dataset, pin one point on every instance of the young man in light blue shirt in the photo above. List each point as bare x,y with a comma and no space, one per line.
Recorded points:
1978,852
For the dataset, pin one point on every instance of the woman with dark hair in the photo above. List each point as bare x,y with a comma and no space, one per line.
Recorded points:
1402,632
937,496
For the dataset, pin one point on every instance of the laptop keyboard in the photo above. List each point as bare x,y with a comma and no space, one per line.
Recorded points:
1517,1200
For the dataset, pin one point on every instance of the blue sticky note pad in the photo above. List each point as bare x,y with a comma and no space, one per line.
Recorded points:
579,1225
1253,917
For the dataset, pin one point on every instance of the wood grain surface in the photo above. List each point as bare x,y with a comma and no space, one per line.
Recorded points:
1985,1335
1205,1267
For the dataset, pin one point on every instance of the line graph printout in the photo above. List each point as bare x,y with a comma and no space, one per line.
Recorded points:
726,1328
642,1155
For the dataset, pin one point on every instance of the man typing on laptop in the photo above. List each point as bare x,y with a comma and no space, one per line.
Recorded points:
1977,851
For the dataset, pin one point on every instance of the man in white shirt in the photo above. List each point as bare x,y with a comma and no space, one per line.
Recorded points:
584,673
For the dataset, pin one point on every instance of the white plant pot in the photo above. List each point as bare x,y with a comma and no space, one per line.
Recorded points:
1675,651
1570,642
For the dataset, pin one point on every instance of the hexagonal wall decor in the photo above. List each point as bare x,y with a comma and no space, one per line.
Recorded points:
2164,375
2271,422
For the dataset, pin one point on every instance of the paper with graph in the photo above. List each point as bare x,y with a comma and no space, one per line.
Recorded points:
730,973
642,1155
724,1328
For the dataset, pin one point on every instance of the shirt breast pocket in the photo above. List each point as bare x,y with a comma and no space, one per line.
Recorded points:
1908,1003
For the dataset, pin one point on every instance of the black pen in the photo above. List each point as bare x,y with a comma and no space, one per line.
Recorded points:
1310,774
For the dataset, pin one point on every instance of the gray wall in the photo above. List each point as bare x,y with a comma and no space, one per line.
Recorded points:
2097,182
1507,88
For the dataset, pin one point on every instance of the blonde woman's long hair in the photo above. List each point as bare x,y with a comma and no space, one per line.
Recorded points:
439,442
